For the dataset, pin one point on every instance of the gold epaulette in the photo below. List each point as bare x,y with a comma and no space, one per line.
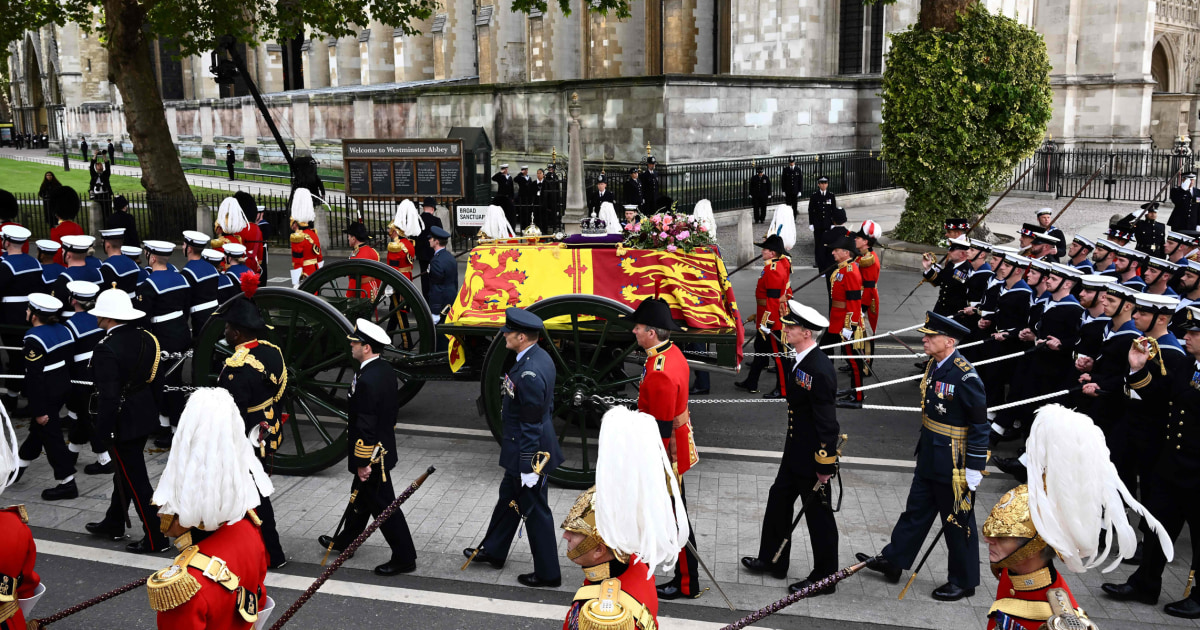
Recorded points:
866,260
173,586
962,364
395,247
218,243
243,357
296,237
19,510
607,607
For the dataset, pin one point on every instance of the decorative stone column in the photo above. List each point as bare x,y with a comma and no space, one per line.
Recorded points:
576,202
208,151
250,156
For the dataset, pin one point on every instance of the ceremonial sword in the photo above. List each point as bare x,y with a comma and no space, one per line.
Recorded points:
816,489
700,561
941,533
540,459
355,486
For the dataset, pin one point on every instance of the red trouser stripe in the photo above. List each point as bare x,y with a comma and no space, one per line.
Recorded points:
780,372
133,494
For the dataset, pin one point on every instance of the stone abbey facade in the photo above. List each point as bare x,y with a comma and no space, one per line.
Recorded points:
696,79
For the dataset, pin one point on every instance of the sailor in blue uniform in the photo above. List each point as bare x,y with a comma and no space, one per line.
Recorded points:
225,286
20,275
951,455
202,278
89,259
46,251
135,254
165,298
235,260
85,334
118,270
75,249
47,351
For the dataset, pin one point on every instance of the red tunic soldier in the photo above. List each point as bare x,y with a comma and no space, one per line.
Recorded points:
869,266
356,235
845,316
401,253
306,245
663,394
18,553
773,289
217,580
231,226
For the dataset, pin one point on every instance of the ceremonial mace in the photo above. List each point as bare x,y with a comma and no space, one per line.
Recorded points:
819,585
973,226
345,555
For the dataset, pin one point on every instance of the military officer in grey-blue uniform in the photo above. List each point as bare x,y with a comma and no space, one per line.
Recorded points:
951,455
527,391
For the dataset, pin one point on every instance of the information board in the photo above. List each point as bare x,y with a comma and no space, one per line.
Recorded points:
471,216
404,168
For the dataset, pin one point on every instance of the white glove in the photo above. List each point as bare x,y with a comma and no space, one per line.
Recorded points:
766,330
529,480
295,274
973,478
388,291
810,229
847,334
320,264
436,318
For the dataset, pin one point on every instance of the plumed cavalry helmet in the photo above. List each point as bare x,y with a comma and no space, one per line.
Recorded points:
582,520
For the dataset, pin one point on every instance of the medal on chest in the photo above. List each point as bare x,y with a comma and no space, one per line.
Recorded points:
803,379
507,388
960,275
353,384
838,277
1195,380
941,409
944,391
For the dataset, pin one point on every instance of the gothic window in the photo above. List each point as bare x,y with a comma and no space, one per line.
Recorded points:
293,63
860,41
1160,69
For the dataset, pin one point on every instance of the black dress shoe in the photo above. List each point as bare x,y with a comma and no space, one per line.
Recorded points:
882,565
96,468
61,491
395,567
803,584
670,590
1136,558
146,546
697,392
1185,608
1129,593
324,541
743,385
844,368
952,592
164,441
849,396
277,565
531,579
773,395
482,556
1012,466
104,530
754,565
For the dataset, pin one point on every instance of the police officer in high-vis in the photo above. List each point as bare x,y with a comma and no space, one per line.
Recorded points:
201,279
527,391
165,298
951,455
256,378
47,351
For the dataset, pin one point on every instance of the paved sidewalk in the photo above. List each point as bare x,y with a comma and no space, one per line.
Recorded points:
727,497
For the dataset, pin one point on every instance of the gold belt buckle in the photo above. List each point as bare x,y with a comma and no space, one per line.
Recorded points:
220,575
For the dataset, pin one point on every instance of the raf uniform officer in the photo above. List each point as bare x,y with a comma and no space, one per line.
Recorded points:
124,367
429,220
951,455
373,405
256,378
792,180
528,399
443,274
809,456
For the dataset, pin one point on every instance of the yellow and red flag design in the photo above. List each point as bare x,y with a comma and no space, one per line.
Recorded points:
695,285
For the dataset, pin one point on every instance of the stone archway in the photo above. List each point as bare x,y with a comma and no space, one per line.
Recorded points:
1161,68
37,114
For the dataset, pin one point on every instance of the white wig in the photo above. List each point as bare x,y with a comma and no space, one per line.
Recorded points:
302,206
230,216
704,214
495,224
609,214
784,224
212,476
638,505
1080,496
8,450
408,220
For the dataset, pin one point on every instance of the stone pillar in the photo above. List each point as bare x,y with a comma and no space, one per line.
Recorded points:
413,54
95,217
208,151
377,55
576,203
250,134
364,118
316,64
270,71
300,122
345,63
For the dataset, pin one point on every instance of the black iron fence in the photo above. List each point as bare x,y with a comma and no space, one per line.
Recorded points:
1123,175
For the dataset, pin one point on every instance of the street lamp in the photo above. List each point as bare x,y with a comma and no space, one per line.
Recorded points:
62,136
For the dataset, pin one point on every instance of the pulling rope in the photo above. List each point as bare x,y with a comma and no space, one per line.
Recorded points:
36,624
915,377
815,587
879,336
854,405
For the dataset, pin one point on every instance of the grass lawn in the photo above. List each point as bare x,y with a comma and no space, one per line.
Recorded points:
26,177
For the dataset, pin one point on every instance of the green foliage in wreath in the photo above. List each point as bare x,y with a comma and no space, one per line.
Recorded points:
959,111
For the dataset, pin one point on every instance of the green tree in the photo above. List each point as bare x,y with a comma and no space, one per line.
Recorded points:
966,96
127,27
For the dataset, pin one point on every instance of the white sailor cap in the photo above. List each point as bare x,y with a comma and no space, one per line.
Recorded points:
1083,240
234,250
1095,281
1044,211
960,242
980,245
212,255
113,234
83,289
1156,303
1161,264
16,233
1002,250
47,245
1017,260
44,303
525,167
199,239
77,243
1064,271
630,206
503,166
1103,243
131,251
1045,237
1192,266
1039,265
1189,175
1181,238
162,248
365,331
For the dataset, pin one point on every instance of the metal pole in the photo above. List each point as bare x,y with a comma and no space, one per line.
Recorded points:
62,136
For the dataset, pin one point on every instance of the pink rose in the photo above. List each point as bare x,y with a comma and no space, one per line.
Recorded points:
703,228
634,227
684,234
672,248
664,235
667,220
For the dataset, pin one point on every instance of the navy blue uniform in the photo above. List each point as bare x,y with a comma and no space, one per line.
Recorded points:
443,277
201,277
71,274
372,408
1137,437
165,298
50,273
20,275
119,271
226,288
85,334
47,351
954,434
952,282
528,401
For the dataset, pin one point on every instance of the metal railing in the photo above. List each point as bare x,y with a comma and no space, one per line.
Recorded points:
1125,176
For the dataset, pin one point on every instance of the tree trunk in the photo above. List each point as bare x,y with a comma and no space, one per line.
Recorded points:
131,69
942,14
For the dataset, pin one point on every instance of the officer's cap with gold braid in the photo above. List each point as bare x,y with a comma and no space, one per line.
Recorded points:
630,510
212,476
8,451
1074,499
